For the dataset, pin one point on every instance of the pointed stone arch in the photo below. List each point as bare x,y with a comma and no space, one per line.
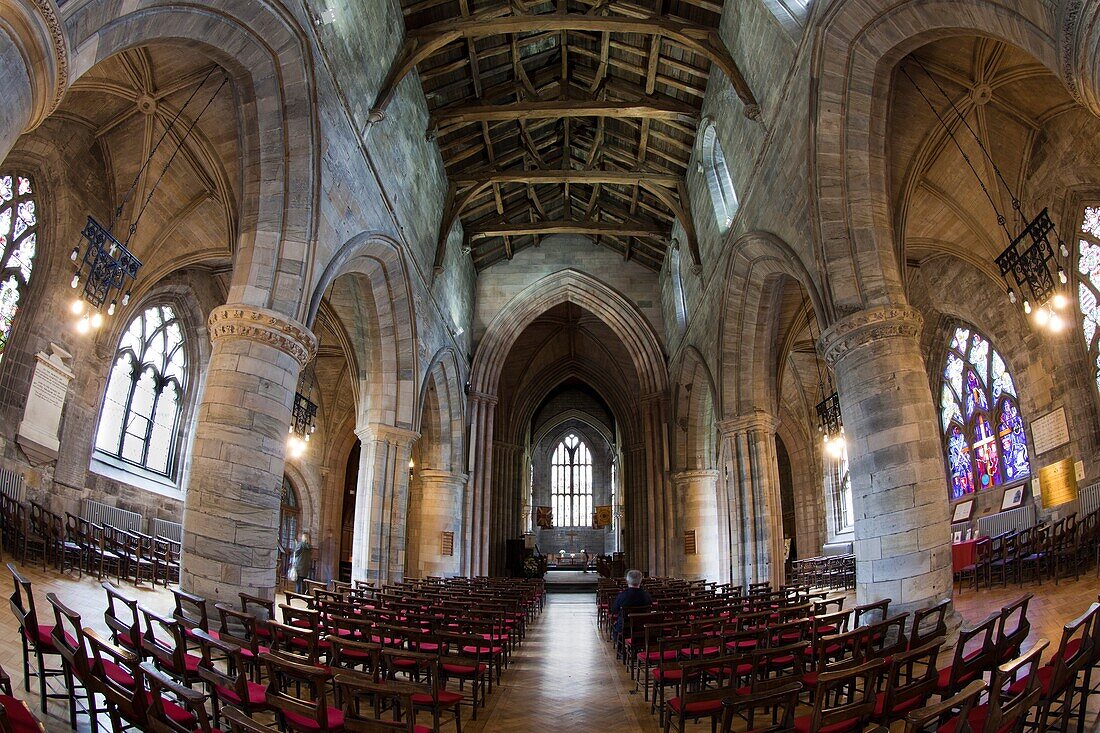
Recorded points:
267,55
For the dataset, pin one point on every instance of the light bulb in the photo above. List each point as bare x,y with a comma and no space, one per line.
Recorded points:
97,320
1011,296
1042,316
412,464
1059,301
307,437
111,308
126,298
82,326
1063,249
75,281
1062,277
74,254
1056,323
290,429
77,307
1027,306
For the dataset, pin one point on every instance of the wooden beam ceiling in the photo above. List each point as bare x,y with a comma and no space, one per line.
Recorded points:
564,117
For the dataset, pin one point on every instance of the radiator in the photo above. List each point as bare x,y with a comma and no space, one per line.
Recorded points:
1088,500
11,484
166,529
101,513
961,528
995,524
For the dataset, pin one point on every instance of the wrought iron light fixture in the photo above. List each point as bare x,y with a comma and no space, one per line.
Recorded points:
830,423
107,268
1035,257
303,423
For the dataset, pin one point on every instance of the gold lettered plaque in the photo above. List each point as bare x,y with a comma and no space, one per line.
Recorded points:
1058,482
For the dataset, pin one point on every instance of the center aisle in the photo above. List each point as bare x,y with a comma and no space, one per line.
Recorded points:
565,678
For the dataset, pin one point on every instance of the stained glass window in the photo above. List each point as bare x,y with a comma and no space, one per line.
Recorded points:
983,431
18,240
719,181
1088,284
571,483
289,515
139,422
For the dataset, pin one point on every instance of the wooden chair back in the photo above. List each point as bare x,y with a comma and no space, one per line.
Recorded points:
975,654
929,623
845,695
769,710
954,709
125,698
295,689
1013,628
158,719
241,723
122,618
1009,704
366,703
910,680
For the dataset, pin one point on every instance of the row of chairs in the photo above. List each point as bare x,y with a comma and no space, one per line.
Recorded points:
333,652
836,572
35,535
1047,551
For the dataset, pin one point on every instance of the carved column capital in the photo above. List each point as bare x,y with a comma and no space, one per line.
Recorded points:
482,397
1078,47
700,474
263,325
868,326
36,29
392,434
758,420
444,478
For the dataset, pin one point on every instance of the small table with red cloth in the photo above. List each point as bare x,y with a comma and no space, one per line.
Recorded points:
964,554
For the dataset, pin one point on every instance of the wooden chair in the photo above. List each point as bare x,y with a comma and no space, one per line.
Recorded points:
1012,694
696,701
37,640
775,709
118,678
165,644
1013,628
122,618
16,717
434,696
1057,680
908,682
240,629
69,640
263,609
461,659
367,702
226,674
978,569
843,700
191,613
299,695
975,654
165,717
929,623
952,711
241,723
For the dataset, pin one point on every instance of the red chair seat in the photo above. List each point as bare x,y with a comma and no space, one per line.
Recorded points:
117,674
943,683
474,649
301,722
191,663
783,660
976,719
708,651
642,656
1046,676
446,698
464,669
667,675
256,694
810,679
20,718
247,653
1071,649
903,707
174,711
702,707
802,725
405,663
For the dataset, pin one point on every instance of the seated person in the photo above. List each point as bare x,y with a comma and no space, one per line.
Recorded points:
632,597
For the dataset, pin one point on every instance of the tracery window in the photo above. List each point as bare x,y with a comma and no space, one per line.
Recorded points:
18,240
839,485
678,297
289,515
571,483
1088,285
719,181
983,430
140,420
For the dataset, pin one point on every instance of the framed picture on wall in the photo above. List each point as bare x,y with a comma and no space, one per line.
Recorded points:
1012,498
963,510
957,537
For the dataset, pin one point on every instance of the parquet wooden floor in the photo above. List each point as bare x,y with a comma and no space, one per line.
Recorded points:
565,677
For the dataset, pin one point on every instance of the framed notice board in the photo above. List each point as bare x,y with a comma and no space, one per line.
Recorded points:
1058,482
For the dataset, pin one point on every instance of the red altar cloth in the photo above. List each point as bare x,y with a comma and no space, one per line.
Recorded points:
963,554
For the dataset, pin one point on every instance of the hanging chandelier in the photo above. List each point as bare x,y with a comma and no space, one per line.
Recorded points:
1032,266
303,416
105,266
830,423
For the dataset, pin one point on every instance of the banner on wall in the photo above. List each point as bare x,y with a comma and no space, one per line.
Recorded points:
544,517
602,516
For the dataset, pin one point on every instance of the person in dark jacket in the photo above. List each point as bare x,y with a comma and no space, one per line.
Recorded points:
632,597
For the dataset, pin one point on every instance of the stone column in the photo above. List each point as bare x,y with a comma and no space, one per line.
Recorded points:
34,66
482,408
636,507
697,492
381,503
754,508
902,526
231,514
660,541
507,467
440,511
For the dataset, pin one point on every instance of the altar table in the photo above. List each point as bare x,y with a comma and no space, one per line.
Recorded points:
963,554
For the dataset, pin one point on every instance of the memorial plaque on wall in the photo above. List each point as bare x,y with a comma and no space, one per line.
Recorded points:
1058,482
1050,431
37,434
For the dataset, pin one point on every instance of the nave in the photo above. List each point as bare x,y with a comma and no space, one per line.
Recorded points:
566,674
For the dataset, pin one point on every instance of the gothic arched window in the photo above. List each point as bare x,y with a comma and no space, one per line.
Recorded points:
1088,285
983,430
140,420
18,240
679,300
571,483
290,512
719,181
